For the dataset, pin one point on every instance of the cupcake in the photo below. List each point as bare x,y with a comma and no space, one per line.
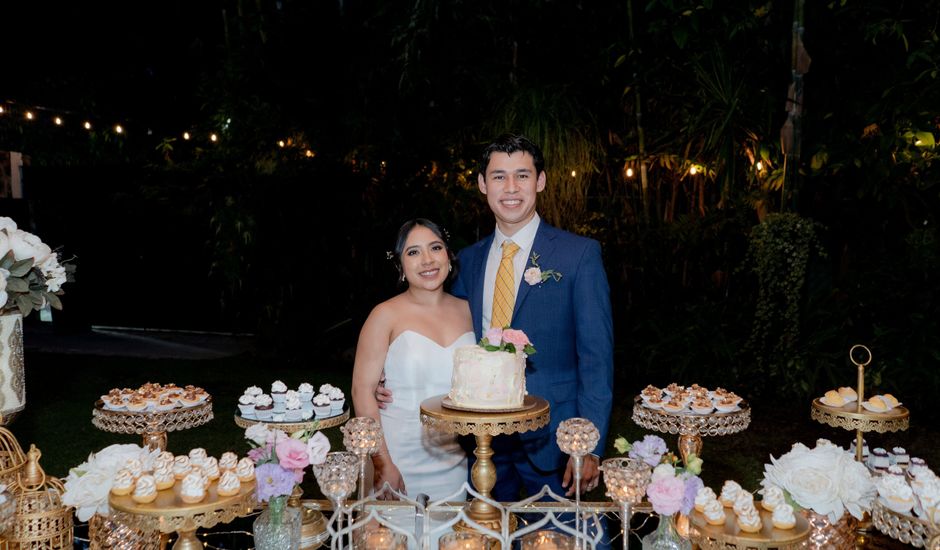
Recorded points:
743,502
325,388
123,483
750,521
292,407
192,488
245,470
278,391
181,466
783,517
246,405
228,461
229,484
729,493
322,404
337,399
264,407
773,497
305,413
145,490
198,456
253,391
164,477
211,468
714,513
306,392
703,497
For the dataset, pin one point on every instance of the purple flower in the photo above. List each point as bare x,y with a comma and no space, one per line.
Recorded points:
261,454
692,486
650,449
273,481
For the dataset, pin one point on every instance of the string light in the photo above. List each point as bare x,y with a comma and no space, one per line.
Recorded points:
186,136
309,154
573,174
629,172
118,129
1,109
87,125
280,143
29,115
58,121
693,170
759,166
213,138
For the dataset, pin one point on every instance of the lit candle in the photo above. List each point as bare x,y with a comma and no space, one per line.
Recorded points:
463,541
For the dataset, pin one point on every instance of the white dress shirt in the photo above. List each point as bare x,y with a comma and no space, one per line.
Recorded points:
525,237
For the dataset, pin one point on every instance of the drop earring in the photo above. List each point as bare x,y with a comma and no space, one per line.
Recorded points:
450,268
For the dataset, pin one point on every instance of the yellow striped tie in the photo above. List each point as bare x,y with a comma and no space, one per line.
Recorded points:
504,295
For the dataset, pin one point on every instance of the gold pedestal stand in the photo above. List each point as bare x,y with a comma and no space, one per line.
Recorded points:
152,425
917,531
313,530
484,426
168,513
729,536
691,426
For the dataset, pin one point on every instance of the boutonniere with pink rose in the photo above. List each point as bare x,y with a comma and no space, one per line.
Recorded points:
536,275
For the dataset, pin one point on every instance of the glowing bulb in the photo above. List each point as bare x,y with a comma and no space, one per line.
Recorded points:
1,110
118,129
280,143
58,121
383,164
186,136
29,115
573,173
213,138
310,154
759,166
87,125
629,172
693,170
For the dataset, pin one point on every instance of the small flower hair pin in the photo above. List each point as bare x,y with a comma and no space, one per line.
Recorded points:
535,275
389,255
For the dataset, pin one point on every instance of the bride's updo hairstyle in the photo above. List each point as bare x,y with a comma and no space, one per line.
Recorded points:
403,236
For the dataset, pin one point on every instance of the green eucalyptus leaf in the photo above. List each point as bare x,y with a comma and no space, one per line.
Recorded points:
20,268
15,284
24,304
7,261
54,300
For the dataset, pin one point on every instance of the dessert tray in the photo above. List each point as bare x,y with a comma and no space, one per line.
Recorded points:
849,417
916,531
729,535
315,423
528,402
152,425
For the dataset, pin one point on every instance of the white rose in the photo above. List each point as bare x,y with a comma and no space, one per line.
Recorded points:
4,243
533,276
856,487
662,471
26,245
88,485
4,275
7,223
317,447
257,433
809,477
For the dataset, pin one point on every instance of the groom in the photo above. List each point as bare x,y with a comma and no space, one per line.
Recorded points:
565,313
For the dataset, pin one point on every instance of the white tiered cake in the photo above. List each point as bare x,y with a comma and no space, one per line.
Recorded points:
487,379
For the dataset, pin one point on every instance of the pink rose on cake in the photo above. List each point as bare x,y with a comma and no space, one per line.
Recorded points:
506,339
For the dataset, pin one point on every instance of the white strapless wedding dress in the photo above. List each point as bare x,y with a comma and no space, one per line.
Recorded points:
417,368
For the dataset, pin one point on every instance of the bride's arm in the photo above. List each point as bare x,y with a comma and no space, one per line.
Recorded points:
367,370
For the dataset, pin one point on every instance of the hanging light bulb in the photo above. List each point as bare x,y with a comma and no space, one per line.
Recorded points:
118,129
58,121
87,125
213,138
629,172
281,143
186,136
29,115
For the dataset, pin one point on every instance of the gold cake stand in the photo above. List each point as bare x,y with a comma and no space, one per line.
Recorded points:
730,536
170,514
484,426
692,426
313,530
916,531
152,425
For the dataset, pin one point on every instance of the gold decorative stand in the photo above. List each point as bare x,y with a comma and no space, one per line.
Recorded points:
152,425
170,514
853,417
483,426
916,531
313,530
729,536
692,426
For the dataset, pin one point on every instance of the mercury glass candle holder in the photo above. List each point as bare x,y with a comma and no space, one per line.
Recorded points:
576,438
336,477
362,436
547,540
626,480
380,538
463,540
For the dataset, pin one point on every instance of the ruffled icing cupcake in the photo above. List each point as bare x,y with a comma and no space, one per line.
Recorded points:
197,456
246,405
278,391
306,391
264,407
743,502
292,407
783,517
145,490
714,512
192,488
773,497
325,388
228,461
181,466
211,468
337,399
253,391
322,405
703,497
164,476
245,470
729,492
750,521
229,484
123,483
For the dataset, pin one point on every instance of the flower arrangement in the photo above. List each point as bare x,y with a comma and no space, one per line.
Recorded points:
30,273
506,339
88,484
825,479
672,487
534,275
280,460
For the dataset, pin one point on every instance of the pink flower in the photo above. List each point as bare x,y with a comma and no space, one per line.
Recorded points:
533,276
494,336
292,454
516,337
666,495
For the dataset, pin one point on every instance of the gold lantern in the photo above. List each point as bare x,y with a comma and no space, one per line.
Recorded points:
12,458
40,520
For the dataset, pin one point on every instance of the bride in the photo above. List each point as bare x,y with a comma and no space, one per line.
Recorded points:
412,337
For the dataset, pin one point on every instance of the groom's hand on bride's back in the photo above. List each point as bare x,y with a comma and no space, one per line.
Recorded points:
383,395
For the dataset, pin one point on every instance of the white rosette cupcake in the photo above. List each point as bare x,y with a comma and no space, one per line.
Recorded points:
246,405
783,517
714,512
703,497
278,392
325,388
306,392
292,407
773,497
337,399
253,391
264,407
322,405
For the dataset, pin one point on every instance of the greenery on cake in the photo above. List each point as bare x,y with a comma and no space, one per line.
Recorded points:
506,339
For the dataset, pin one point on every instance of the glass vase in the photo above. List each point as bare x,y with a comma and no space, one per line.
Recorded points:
278,526
666,537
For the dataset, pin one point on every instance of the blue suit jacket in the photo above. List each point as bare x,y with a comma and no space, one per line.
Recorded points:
569,324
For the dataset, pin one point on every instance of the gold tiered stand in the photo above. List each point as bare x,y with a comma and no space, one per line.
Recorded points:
152,425
484,426
313,530
853,417
691,426
729,536
917,531
170,514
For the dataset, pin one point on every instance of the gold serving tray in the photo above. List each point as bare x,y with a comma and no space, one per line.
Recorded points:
849,417
729,535
168,513
291,427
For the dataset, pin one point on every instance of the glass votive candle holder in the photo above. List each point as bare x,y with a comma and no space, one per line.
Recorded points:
626,479
547,540
577,436
380,538
464,540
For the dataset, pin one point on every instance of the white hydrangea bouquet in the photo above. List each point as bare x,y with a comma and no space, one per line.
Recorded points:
825,479
30,273
88,484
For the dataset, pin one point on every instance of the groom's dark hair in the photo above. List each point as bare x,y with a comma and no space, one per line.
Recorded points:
509,144
403,232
